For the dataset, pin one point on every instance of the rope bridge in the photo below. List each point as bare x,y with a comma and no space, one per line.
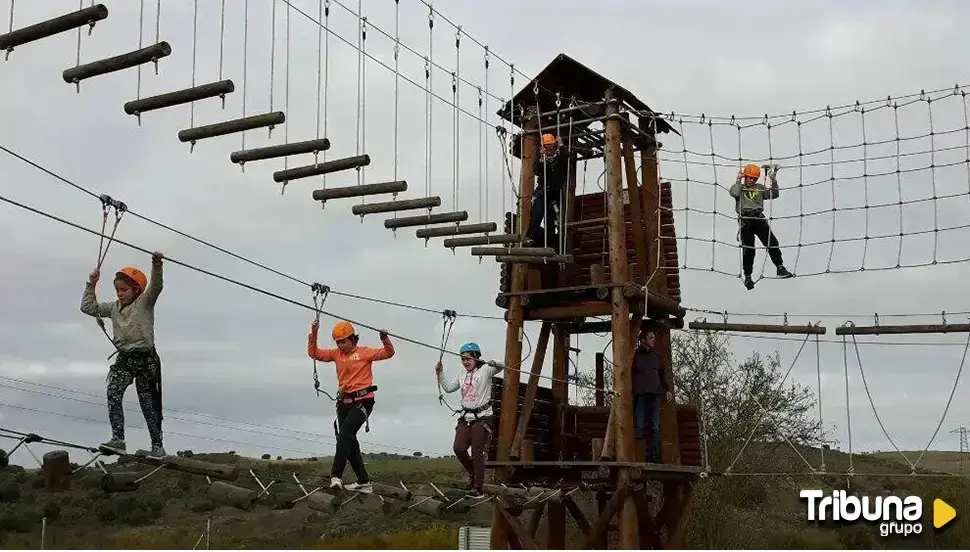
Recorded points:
877,185
848,332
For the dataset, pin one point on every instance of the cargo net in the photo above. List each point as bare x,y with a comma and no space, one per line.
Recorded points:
873,185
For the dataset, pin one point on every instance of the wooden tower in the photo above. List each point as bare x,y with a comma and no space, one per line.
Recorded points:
618,259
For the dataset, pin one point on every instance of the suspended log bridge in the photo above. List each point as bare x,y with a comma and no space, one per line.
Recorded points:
318,169
232,126
202,92
809,329
75,75
242,157
362,190
45,29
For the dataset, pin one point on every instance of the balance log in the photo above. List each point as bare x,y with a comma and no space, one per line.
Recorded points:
57,471
120,482
323,502
224,493
391,507
189,465
390,491
427,506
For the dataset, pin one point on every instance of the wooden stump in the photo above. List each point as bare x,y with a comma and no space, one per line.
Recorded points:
428,506
323,502
57,471
120,482
221,492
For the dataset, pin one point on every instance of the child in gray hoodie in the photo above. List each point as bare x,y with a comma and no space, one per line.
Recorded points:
133,323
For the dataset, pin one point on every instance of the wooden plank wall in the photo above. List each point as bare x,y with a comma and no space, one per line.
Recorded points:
581,424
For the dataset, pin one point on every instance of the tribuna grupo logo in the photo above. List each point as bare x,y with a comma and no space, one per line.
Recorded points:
895,515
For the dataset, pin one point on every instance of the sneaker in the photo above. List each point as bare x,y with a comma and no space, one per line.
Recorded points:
475,494
748,282
115,444
336,483
360,487
783,273
158,451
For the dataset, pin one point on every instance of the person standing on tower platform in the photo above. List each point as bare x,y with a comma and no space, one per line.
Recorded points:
651,385
551,169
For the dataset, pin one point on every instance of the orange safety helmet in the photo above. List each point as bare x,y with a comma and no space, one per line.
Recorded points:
343,330
135,275
549,140
752,171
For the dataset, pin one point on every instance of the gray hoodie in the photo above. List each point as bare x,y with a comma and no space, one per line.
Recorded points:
133,327
751,199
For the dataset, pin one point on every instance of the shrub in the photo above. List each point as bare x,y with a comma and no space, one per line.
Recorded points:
9,491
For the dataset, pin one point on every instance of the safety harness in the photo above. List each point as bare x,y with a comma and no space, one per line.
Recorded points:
354,398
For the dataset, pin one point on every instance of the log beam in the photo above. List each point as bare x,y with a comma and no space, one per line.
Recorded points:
538,359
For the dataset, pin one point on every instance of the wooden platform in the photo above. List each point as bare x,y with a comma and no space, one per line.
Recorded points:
588,470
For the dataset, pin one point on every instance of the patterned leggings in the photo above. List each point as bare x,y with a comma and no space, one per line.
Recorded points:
144,369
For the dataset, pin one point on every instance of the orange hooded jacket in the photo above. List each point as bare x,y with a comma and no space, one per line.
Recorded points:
354,370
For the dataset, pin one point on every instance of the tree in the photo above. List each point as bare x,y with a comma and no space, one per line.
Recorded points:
732,396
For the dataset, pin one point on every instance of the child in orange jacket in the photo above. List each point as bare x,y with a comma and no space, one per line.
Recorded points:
355,399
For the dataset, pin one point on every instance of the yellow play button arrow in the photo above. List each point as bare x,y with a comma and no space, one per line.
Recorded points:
943,513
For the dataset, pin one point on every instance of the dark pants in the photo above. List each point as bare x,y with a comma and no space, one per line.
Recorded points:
350,418
646,412
476,435
543,211
144,369
757,227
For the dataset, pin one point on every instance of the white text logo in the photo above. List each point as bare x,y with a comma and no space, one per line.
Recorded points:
895,515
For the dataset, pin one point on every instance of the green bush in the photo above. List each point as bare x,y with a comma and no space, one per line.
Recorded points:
52,511
9,491
106,512
18,519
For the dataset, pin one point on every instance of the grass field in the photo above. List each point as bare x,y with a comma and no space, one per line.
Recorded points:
741,511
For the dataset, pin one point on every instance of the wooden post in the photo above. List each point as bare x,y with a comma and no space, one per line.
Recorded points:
600,382
57,471
669,438
556,510
638,221
620,274
514,328
530,392
650,195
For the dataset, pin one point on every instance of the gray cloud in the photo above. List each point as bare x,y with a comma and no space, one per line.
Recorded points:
235,354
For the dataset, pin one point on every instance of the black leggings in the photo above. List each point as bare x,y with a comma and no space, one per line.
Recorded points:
144,369
757,227
350,418
543,214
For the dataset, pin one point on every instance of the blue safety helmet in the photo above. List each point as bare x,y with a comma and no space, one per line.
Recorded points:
471,347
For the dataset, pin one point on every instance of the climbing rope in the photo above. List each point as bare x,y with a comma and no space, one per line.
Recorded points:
448,322
108,204
320,293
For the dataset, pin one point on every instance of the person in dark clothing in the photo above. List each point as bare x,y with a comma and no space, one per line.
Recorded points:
551,168
651,385
750,199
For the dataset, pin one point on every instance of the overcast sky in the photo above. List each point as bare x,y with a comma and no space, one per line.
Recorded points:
239,357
